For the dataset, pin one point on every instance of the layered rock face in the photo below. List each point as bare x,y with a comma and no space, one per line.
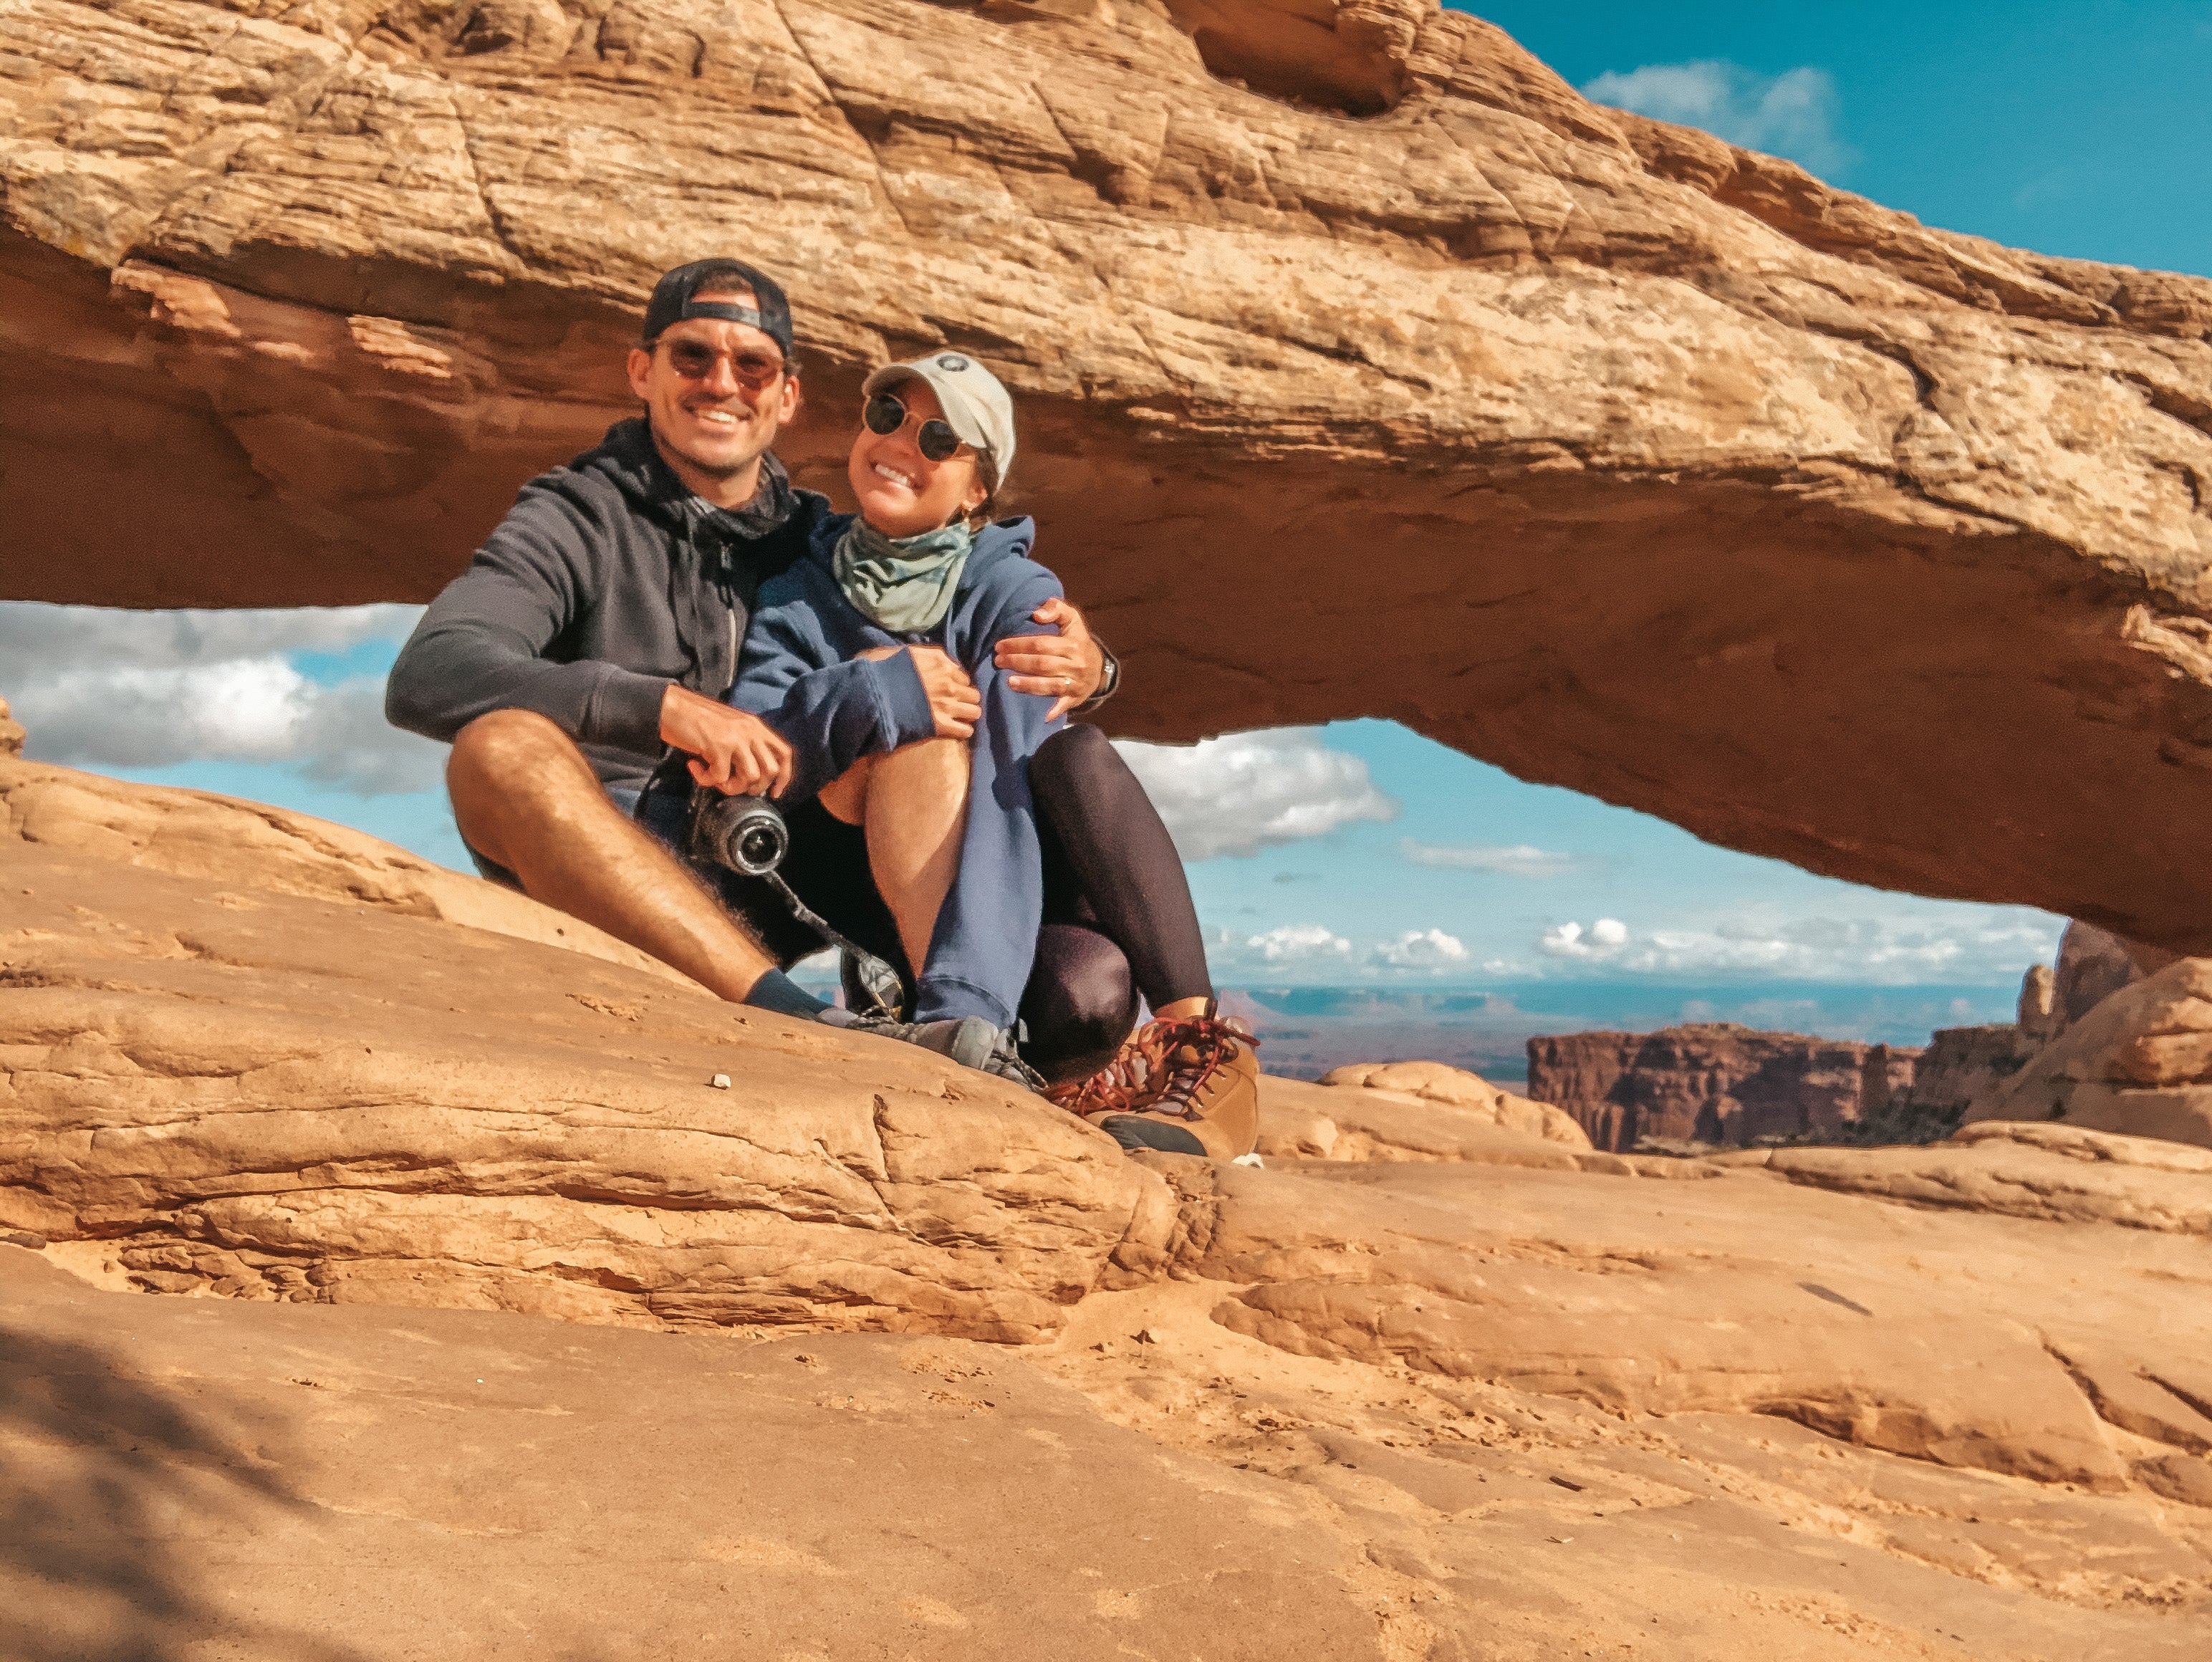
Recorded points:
1565,437
328,1097
1714,1082
1960,1067
2140,1062
1414,1391
1967,1073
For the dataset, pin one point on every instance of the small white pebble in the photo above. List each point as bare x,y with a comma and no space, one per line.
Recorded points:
1252,1160
721,1081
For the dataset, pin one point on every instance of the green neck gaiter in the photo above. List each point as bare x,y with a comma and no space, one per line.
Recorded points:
904,585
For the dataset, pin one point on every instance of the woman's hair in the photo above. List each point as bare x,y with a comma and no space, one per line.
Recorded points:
995,506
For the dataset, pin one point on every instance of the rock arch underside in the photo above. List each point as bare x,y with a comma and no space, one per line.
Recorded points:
1365,368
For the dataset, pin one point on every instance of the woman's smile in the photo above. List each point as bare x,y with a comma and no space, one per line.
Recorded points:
899,491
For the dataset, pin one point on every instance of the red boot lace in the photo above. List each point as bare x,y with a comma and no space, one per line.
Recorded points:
1162,1066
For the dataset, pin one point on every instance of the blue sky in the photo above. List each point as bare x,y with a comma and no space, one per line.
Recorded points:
1360,855
2079,127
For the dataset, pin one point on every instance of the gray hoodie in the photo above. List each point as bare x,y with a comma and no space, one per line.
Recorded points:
607,581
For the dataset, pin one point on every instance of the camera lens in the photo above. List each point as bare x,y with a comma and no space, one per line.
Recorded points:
759,847
744,834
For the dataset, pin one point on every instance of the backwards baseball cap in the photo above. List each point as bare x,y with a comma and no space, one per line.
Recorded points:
980,408
672,301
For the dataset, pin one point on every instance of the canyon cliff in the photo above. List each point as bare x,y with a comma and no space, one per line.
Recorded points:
1715,1082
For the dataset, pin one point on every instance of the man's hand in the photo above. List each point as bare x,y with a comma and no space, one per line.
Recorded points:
953,699
1065,667
732,751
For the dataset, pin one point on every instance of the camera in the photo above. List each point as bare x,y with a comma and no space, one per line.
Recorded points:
746,834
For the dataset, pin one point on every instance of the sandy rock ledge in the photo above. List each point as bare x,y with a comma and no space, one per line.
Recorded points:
346,1204
216,1084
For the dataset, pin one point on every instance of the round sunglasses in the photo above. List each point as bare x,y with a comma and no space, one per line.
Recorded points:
885,414
695,360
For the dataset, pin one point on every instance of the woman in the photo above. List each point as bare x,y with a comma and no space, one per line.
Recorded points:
1008,867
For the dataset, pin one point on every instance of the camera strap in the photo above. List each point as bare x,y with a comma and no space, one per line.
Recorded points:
821,925
672,778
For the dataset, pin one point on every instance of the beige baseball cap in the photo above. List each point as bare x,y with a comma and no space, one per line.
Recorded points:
976,405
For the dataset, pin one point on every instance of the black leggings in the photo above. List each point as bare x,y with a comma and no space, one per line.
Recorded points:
1118,918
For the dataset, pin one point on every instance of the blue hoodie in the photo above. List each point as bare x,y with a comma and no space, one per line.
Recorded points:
800,673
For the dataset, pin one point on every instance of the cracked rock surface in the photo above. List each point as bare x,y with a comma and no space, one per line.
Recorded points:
424,1253
220,1086
1595,447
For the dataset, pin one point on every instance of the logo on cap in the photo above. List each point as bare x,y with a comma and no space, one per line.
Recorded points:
953,360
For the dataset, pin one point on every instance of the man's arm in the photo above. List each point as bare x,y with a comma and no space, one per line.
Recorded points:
1071,669
479,647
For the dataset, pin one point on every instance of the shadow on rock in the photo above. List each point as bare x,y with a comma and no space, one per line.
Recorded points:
108,1486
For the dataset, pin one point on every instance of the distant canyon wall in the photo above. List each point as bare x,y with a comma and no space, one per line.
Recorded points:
2142,1066
1714,1082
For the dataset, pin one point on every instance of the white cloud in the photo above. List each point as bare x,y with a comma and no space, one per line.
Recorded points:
1792,114
1299,944
1424,949
1605,940
1252,790
101,687
1519,860
1963,945
1313,953
36,639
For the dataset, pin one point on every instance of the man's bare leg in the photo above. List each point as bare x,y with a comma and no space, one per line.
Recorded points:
525,797
913,803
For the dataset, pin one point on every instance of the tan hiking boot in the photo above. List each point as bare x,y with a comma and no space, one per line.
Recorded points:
1187,1086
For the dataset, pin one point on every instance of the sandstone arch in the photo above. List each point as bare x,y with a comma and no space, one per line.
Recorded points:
1595,447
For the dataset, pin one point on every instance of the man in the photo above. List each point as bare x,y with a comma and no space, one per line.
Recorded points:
595,629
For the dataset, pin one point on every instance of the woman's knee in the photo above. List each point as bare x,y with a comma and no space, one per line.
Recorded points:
1068,755
940,755
846,797
1080,1004
926,771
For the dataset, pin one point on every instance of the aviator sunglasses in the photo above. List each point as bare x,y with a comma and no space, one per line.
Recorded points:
695,360
886,414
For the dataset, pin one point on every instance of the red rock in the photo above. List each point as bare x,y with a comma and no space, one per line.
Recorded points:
1413,1394
1962,1066
1714,1082
2139,1062
2093,964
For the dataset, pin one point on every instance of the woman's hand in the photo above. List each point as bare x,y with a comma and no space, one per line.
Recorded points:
1065,667
953,699
732,751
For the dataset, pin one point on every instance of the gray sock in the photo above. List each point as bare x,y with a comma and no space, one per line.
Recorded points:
778,992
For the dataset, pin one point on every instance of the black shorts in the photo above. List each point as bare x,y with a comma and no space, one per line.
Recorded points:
827,867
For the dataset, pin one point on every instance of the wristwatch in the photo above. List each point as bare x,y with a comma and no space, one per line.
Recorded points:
1109,683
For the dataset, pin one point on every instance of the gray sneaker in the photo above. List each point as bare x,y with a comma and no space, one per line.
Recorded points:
970,1041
